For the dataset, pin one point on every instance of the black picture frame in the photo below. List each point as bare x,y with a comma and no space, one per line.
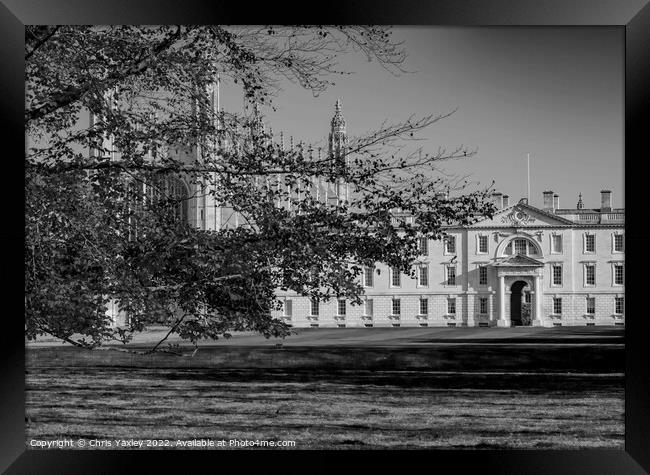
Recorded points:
631,15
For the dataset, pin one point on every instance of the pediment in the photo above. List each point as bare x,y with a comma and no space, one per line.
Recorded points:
519,260
522,215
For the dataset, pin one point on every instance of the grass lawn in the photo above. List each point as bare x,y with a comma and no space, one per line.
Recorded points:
320,409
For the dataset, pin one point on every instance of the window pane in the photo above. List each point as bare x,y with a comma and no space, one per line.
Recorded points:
557,275
396,277
368,276
451,275
288,308
557,306
397,309
482,275
342,307
314,307
483,306
591,305
450,244
619,305
618,274
591,275
424,246
451,306
369,307
424,275
557,243
424,306
590,243
520,246
618,242
482,244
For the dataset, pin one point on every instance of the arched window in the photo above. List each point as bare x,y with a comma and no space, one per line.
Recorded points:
523,246
171,190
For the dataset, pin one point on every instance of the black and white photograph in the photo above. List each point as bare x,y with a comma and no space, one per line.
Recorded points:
332,237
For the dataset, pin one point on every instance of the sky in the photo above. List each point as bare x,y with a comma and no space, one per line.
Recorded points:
556,93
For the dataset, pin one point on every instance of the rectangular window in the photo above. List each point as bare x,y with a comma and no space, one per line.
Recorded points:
620,305
450,245
423,276
483,244
314,307
424,306
396,277
482,275
342,307
557,305
521,246
397,307
451,306
556,244
557,274
618,274
288,308
591,305
451,275
368,308
590,274
368,274
483,305
590,243
423,245
528,297
618,243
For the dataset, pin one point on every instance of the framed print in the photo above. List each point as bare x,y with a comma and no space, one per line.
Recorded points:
210,217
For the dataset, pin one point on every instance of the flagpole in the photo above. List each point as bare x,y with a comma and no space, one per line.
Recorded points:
528,161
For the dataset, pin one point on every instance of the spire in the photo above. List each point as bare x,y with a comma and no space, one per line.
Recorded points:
338,138
580,205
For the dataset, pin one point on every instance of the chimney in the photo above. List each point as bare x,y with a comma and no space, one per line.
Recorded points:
497,199
556,201
506,201
548,200
605,200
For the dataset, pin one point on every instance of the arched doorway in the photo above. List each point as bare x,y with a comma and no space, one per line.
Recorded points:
517,317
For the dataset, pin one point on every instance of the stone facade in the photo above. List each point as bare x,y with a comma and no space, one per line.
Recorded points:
524,261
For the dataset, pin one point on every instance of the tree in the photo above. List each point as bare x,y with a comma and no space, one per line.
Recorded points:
103,226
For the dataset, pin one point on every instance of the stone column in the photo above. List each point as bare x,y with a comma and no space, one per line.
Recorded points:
503,321
537,318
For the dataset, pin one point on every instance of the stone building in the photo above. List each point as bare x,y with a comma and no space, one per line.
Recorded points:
547,266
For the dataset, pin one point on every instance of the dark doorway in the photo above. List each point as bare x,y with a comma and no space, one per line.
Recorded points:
516,303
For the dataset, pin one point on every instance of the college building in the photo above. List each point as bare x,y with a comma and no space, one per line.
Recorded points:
546,266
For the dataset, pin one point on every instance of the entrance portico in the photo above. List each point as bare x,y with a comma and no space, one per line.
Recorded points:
524,271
